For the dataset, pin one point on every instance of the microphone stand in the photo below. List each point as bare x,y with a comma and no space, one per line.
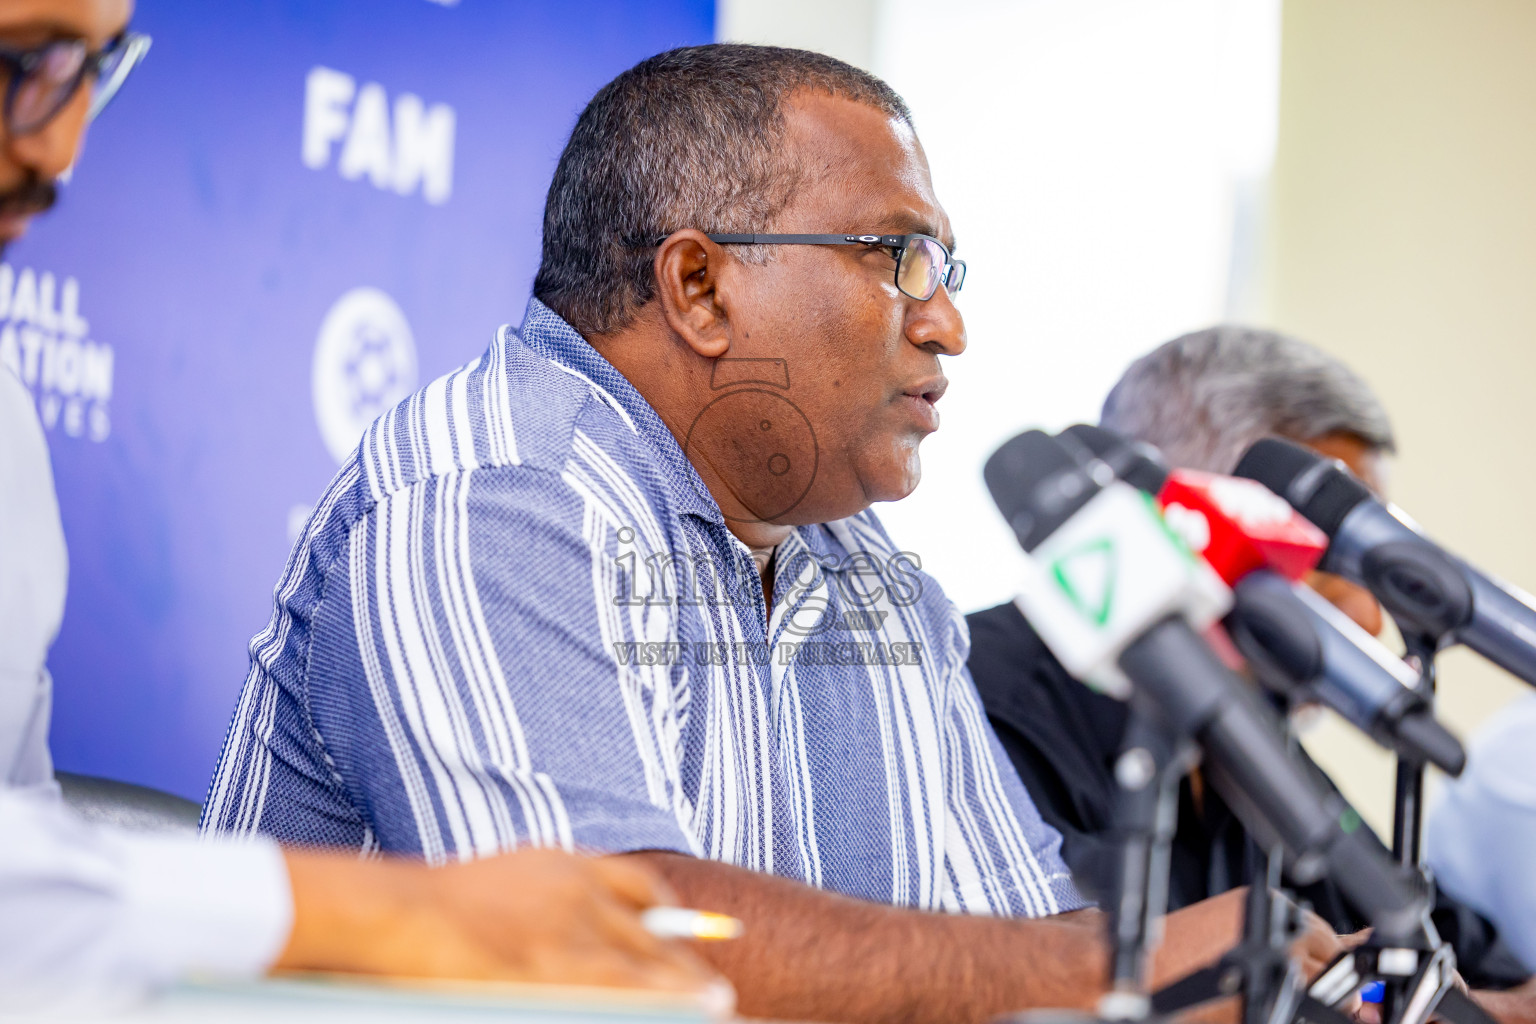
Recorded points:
1408,804
1155,756
1260,967
1418,979
1154,759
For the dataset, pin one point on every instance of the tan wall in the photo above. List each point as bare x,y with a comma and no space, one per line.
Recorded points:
1403,239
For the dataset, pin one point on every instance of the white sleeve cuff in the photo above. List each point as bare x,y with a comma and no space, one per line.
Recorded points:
215,908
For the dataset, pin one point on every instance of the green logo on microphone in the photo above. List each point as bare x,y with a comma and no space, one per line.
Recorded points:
1086,574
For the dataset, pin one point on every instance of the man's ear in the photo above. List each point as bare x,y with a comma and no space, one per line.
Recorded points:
687,270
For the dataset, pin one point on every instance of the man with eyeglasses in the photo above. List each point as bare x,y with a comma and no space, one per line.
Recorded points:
90,915
617,584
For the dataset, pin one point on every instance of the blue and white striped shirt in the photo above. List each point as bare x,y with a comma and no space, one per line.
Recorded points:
517,617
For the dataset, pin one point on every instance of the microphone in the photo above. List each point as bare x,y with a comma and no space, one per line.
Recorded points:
1104,565
1287,629
1259,545
1107,586
1237,525
1427,589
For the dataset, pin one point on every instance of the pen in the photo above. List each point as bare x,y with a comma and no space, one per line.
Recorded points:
682,923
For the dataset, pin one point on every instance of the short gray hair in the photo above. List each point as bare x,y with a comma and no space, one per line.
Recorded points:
690,138
1205,397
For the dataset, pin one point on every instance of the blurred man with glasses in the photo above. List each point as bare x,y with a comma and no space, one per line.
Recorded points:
617,583
92,914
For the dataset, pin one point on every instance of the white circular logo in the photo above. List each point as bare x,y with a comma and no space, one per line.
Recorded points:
365,363
1190,525
1250,502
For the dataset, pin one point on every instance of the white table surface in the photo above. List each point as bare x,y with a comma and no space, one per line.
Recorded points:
336,1001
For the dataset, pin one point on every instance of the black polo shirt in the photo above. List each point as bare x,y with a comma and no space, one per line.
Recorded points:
1064,738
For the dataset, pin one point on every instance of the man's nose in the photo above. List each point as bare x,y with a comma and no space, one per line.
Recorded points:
937,325
49,151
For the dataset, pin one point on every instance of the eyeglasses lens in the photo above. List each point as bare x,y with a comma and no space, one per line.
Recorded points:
956,276
921,268
47,85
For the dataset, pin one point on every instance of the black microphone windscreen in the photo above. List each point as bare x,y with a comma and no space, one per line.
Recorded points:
1036,484
1329,492
1275,463
1137,463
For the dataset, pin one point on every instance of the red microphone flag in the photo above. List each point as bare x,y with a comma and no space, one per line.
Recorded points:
1239,525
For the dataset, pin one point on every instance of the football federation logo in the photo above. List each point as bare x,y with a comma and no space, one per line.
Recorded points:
365,364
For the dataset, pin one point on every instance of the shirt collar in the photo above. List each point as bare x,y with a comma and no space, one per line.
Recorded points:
545,332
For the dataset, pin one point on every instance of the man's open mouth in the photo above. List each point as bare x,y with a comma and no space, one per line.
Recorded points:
930,390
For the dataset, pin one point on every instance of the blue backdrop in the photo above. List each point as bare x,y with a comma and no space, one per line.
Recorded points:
293,213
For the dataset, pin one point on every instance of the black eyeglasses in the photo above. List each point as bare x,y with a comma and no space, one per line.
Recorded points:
40,82
922,262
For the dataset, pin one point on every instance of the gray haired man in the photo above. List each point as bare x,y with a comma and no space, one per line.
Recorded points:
1202,399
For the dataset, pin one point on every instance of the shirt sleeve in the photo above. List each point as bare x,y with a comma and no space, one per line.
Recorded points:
33,572
92,916
1481,837
466,675
1001,856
